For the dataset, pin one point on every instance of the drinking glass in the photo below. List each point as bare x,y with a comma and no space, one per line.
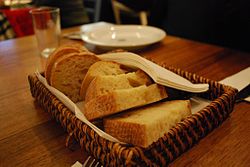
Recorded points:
46,24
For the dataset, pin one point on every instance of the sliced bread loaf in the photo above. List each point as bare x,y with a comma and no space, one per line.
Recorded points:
107,83
59,52
123,99
100,68
145,125
68,72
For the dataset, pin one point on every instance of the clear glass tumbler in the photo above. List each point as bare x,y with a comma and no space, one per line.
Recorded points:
47,28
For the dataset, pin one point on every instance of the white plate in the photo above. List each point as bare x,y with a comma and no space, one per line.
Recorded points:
124,36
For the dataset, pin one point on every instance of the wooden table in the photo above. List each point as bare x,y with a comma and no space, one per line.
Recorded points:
30,137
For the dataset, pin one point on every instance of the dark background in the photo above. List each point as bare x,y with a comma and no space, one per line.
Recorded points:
221,22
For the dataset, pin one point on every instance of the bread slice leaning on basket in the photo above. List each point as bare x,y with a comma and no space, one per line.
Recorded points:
68,72
59,52
145,125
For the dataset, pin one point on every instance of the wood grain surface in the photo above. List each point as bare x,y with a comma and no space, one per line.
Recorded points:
30,137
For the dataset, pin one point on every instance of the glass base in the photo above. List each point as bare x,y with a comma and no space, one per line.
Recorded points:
44,56
46,52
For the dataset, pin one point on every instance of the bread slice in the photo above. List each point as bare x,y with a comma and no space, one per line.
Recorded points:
145,125
100,68
59,52
68,72
123,99
107,83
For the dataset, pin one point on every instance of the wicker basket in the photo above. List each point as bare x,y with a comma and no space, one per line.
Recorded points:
161,153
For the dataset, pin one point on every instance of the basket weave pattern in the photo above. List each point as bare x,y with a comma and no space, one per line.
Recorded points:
179,139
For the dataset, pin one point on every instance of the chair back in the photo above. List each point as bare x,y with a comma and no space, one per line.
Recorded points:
118,7
93,8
